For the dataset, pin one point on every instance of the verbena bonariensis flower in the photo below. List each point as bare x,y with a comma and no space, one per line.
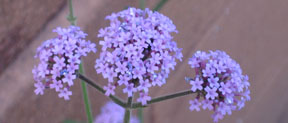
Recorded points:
59,60
137,51
113,113
219,83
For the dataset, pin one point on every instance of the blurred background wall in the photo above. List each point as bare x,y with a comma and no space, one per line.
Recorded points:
21,22
253,32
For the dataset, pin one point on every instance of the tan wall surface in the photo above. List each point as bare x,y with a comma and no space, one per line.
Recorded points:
20,22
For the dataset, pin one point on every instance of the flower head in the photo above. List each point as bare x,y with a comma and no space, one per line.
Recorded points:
59,60
137,51
219,83
113,113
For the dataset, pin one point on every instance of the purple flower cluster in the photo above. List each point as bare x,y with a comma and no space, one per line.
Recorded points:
113,113
59,60
220,83
137,51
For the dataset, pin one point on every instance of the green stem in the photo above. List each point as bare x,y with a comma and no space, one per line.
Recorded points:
162,98
129,102
85,97
140,114
127,110
159,5
100,89
142,4
127,116
71,18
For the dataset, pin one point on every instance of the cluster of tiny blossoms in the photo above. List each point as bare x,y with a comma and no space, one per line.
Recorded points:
137,51
59,60
220,83
113,113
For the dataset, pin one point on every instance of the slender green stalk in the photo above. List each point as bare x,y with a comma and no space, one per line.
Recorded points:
129,102
127,110
86,97
100,89
142,4
71,18
162,98
140,115
159,5
127,116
